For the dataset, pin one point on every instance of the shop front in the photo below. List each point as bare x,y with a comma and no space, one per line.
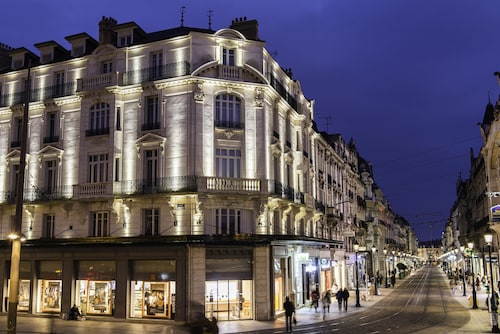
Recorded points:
49,286
229,284
25,276
153,289
96,287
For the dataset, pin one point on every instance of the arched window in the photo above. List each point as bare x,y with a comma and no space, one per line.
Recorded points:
227,111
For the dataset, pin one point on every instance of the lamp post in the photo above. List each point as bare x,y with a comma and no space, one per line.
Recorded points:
385,264
15,233
393,266
474,298
356,248
374,261
462,249
488,237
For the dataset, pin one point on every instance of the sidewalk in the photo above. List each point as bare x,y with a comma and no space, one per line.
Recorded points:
306,315
480,319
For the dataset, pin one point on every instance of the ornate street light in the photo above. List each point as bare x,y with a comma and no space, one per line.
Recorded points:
462,249
474,297
356,248
374,259
488,237
385,263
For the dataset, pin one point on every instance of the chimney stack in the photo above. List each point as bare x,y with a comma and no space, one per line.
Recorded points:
106,31
249,29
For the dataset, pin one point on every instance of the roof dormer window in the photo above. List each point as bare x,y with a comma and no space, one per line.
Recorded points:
228,56
125,40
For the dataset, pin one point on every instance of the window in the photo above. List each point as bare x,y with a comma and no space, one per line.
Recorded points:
100,224
17,132
98,168
156,61
151,114
151,222
227,221
151,167
48,225
227,111
99,120
50,176
125,40
106,67
58,84
228,162
51,125
118,119
117,169
228,57
14,176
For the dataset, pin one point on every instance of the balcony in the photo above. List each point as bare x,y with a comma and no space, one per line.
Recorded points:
156,186
50,139
230,72
166,71
150,126
226,184
97,132
92,190
99,81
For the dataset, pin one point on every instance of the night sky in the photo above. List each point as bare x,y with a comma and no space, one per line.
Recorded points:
408,80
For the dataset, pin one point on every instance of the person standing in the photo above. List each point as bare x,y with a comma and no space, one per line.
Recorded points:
289,312
345,297
338,295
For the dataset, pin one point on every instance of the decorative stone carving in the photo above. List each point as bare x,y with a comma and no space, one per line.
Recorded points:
199,95
259,97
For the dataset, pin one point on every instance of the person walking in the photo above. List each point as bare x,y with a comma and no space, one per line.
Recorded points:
345,297
315,300
289,312
338,295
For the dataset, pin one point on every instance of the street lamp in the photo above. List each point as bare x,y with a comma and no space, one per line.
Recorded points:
488,237
393,266
15,234
385,265
474,298
462,249
356,248
375,274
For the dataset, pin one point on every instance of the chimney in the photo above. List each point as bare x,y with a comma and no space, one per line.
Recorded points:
4,55
249,29
106,30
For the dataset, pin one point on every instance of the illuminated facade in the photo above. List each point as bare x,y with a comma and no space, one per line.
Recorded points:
172,174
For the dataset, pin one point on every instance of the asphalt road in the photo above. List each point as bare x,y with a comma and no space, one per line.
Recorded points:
422,303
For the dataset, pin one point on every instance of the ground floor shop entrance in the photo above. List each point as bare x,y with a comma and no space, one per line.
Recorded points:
228,299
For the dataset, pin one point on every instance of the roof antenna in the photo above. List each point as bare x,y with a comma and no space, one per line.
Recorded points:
183,8
210,12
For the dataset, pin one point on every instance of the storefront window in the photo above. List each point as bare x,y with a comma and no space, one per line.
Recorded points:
228,299
153,300
24,299
95,287
153,289
50,296
49,286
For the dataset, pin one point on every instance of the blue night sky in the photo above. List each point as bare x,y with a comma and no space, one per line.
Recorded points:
408,80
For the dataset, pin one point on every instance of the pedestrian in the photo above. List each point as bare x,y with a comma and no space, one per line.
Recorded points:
393,280
338,295
315,300
345,297
289,313
327,300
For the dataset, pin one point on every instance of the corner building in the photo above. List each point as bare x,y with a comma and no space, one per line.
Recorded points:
169,175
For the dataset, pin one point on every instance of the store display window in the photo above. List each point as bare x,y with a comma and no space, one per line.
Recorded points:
228,299
153,289
49,296
96,287
49,286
